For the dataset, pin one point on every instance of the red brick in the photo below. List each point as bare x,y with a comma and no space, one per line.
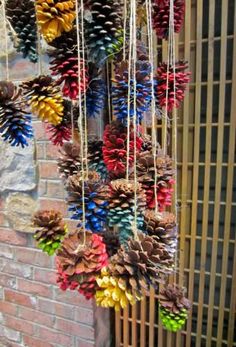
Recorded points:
39,131
57,205
72,298
55,190
40,150
42,188
36,317
6,251
45,276
8,308
83,343
7,281
13,268
65,311
32,342
75,329
47,306
34,288
55,337
48,169
52,151
19,325
3,220
33,256
19,298
84,316
12,237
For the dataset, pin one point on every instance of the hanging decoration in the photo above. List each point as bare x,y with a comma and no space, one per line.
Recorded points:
101,99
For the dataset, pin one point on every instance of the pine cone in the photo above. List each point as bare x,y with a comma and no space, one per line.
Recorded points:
122,207
50,230
95,158
96,92
146,176
95,200
121,87
112,292
142,262
69,163
177,84
21,15
15,124
64,65
75,258
161,16
163,226
174,307
115,148
104,29
54,17
141,53
61,133
44,99
111,240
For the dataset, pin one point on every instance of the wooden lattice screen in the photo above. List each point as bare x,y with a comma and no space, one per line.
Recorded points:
206,188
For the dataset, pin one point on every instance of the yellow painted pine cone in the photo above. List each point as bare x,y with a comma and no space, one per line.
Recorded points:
54,17
112,292
45,99
49,109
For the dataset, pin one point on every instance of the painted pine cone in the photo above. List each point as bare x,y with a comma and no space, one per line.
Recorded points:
104,30
96,91
142,262
95,199
115,148
64,65
146,176
50,230
122,207
45,99
78,256
121,88
113,292
15,124
174,307
69,162
54,17
177,83
95,158
21,15
111,240
61,133
161,16
163,226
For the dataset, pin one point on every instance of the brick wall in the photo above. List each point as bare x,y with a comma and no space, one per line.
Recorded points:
34,312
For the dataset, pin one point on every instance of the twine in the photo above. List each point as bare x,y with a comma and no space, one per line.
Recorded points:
108,92
6,38
80,126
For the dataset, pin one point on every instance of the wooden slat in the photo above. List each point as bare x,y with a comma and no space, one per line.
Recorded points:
134,326
126,327
197,110
223,61
207,169
118,329
151,316
142,324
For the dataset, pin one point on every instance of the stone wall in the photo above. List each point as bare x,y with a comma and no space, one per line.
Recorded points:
33,311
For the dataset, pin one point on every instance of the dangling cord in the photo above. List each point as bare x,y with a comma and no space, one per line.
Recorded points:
124,29
6,38
134,40
39,48
108,91
80,126
84,88
131,24
153,103
72,123
174,123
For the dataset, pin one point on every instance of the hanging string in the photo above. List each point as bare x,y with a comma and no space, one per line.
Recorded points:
80,126
153,103
84,88
134,40
72,123
108,91
124,29
6,38
174,120
129,92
